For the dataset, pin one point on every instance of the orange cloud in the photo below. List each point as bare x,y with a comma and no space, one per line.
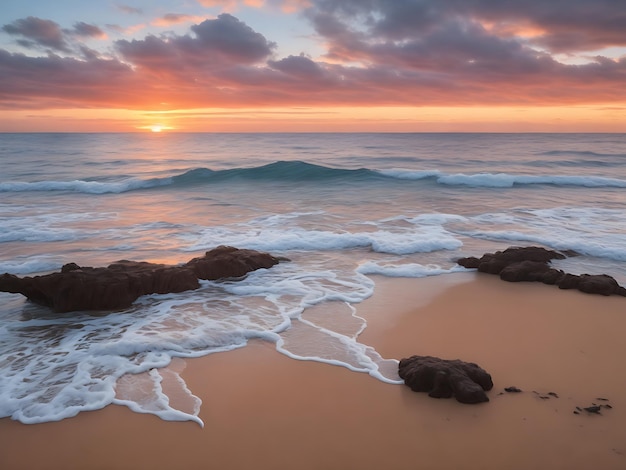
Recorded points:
230,5
176,18
287,6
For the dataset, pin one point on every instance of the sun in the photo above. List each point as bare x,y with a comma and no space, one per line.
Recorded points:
156,128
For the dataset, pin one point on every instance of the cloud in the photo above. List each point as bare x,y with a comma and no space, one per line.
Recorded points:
38,32
88,30
129,9
287,6
53,81
232,37
558,26
224,40
298,66
567,25
176,18
227,5
379,53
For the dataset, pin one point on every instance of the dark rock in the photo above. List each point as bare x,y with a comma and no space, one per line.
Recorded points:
532,264
442,378
120,284
593,409
470,262
226,261
69,267
592,284
513,389
552,276
493,263
528,271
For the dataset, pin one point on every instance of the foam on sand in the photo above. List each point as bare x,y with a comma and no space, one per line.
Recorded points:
264,410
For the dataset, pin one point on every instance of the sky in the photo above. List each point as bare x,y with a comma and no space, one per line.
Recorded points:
313,66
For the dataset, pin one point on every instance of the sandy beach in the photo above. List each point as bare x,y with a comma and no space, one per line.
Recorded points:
264,410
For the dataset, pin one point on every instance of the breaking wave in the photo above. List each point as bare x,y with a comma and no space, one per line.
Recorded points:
302,172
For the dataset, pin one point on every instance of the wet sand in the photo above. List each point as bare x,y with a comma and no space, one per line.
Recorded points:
264,410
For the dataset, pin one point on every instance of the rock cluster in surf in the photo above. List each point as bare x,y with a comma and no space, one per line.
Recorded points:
444,378
532,264
118,285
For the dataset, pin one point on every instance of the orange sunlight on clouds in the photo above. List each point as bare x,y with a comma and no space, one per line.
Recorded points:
316,65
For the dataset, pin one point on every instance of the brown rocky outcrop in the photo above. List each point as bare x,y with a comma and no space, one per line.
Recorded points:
532,264
118,285
444,378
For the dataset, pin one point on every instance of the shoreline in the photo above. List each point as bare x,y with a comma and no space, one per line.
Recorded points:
264,410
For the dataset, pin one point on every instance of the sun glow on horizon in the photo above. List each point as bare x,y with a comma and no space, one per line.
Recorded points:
156,128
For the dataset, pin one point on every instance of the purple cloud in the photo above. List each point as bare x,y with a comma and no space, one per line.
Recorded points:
87,30
37,32
559,25
224,40
233,38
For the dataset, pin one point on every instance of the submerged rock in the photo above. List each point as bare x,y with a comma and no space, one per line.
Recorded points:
532,264
443,378
118,285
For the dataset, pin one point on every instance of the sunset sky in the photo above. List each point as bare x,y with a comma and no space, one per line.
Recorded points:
313,65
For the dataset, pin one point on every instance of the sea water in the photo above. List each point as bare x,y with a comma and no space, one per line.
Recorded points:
341,207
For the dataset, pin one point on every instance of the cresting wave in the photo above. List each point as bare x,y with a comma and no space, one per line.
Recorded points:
302,172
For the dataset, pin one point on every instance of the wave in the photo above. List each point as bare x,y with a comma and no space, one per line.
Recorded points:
302,172
295,171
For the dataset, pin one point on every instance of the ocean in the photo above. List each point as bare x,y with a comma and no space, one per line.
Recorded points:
344,208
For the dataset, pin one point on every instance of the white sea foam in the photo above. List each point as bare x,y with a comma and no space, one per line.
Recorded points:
29,265
589,231
406,270
80,186
53,226
504,180
419,239
92,361
406,174
143,393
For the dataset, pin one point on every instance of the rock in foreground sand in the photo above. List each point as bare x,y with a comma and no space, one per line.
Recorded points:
443,378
